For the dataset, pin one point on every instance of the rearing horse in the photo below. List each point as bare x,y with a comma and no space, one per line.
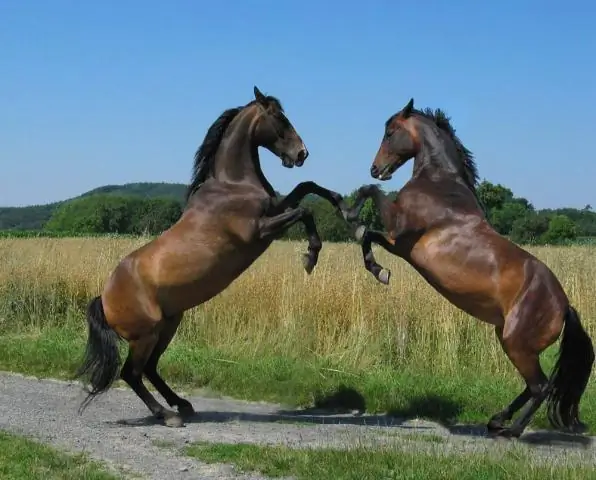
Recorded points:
231,218
438,226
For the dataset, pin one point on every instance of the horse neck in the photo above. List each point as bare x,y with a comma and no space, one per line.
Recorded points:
437,157
237,159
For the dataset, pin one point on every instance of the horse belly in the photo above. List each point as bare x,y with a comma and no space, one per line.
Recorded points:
209,277
474,303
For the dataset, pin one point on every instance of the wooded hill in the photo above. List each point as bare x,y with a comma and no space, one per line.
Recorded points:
34,217
149,208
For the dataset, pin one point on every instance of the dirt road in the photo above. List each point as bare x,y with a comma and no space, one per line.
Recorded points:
116,429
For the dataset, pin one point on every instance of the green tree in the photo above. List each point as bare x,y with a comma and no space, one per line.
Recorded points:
108,213
502,207
95,214
560,229
529,229
493,196
503,219
155,215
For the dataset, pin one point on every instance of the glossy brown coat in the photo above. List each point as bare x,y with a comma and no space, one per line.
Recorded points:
437,225
231,218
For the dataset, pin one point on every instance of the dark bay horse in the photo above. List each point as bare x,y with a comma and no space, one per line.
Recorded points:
231,218
438,226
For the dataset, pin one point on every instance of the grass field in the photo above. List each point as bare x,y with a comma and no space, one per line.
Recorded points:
23,459
278,334
386,463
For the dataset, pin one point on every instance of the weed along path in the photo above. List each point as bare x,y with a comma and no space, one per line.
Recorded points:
115,428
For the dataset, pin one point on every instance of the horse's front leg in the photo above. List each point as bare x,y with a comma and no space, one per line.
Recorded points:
275,226
382,203
367,237
292,199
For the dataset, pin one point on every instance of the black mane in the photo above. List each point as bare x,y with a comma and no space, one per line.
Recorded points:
203,165
440,118
205,155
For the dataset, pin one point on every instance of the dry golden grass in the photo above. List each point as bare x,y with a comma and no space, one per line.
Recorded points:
339,313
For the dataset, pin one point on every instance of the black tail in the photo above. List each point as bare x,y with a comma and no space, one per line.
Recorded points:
102,358
570,375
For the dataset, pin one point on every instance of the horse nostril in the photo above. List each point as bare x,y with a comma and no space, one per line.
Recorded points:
302,155
374,170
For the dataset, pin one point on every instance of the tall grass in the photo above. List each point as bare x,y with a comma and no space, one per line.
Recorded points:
338,319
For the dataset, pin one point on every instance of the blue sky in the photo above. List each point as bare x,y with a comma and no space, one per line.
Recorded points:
95,93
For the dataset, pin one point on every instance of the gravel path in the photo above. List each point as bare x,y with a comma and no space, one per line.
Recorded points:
116,429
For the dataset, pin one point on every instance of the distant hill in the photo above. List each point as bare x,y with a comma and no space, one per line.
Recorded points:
145,189
35,216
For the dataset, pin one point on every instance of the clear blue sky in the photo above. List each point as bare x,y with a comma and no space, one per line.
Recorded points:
95,93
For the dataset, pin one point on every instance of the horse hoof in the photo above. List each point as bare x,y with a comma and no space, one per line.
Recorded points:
359,233
186,410
384,276
172,419
507,433
494,425
308,263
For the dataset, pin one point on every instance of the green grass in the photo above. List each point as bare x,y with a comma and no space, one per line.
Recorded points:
385,464
23,459
423,437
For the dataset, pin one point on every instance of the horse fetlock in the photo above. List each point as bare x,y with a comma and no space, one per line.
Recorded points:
350,215
185,408
383,276
309,260
359,233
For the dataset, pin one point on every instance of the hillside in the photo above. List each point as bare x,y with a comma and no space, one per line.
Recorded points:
33,217
144,189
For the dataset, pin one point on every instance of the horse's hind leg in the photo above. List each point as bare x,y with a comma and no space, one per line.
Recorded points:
525,358
497,421
165,337
132,373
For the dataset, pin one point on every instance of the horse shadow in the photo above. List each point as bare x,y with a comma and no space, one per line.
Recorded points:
347,406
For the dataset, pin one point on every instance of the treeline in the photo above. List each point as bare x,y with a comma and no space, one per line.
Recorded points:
104,213
118,210
129,214
517,218
34,217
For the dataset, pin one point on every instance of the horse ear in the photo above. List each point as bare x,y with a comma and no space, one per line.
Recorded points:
407,110
260,97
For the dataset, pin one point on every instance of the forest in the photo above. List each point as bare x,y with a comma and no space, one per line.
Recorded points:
150,208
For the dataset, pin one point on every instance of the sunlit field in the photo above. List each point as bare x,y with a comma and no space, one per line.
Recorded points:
278,333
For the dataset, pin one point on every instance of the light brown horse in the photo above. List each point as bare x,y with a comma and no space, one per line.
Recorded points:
438,226
231,218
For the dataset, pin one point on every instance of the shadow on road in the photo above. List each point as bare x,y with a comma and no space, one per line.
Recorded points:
346,406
